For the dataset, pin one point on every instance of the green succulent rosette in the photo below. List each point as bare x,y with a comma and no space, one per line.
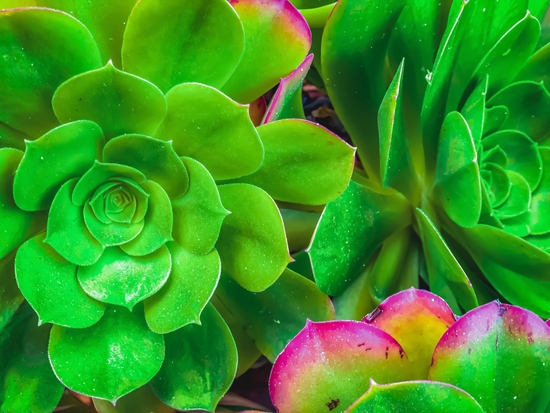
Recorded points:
142,246
448,105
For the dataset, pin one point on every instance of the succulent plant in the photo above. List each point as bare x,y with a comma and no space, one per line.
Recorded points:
448,105
135,186
413,355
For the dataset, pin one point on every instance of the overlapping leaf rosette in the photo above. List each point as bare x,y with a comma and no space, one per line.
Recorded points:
135,186
448,105
413,355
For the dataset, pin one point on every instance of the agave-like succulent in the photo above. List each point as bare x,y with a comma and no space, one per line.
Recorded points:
410,355
134,184
448,105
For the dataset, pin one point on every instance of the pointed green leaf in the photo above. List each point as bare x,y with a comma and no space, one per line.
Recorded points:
105,22
37,58
529,105
142,400
396,168
499,354
17,225
199,214
155,158
67,232
270,322
199,42
188,289
252,243
540,199
120,279
503,62
227,152
208,356
518,200
537,67
66,152
357,34
538,8
287,101
351,228
122,354
521,153
49,284
277,39
10,138
100,173
159,220
494,119
443,268
304,163
327,366
474,110
457,183
495,155
117,101
28,383
408,397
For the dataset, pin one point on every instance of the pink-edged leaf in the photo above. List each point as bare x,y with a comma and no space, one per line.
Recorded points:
277,38
415,397
287,101
328,365
416,319
499,354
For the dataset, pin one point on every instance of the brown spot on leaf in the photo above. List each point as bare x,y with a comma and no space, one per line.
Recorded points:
333,404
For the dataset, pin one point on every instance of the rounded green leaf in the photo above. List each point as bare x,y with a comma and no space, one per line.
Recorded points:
158,220
105,21
498,183
540,201
37,58
304,163
117,101
100,173
142,400
456,176
155,158
196,42
518,200
188,289
65,152
207,356
252,243
17,225
227,152
499,354
121,354
277,39
329,365
521,153
27,380
49,284
67,232
199,214
120,279
270,321
415,397
350,230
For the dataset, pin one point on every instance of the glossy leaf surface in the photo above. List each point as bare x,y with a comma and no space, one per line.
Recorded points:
194,133
142,400
304,163
49,284
200,364
117,101
499,354
204,42
312,372
252,243
415,397
38,63
277,39
122,354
